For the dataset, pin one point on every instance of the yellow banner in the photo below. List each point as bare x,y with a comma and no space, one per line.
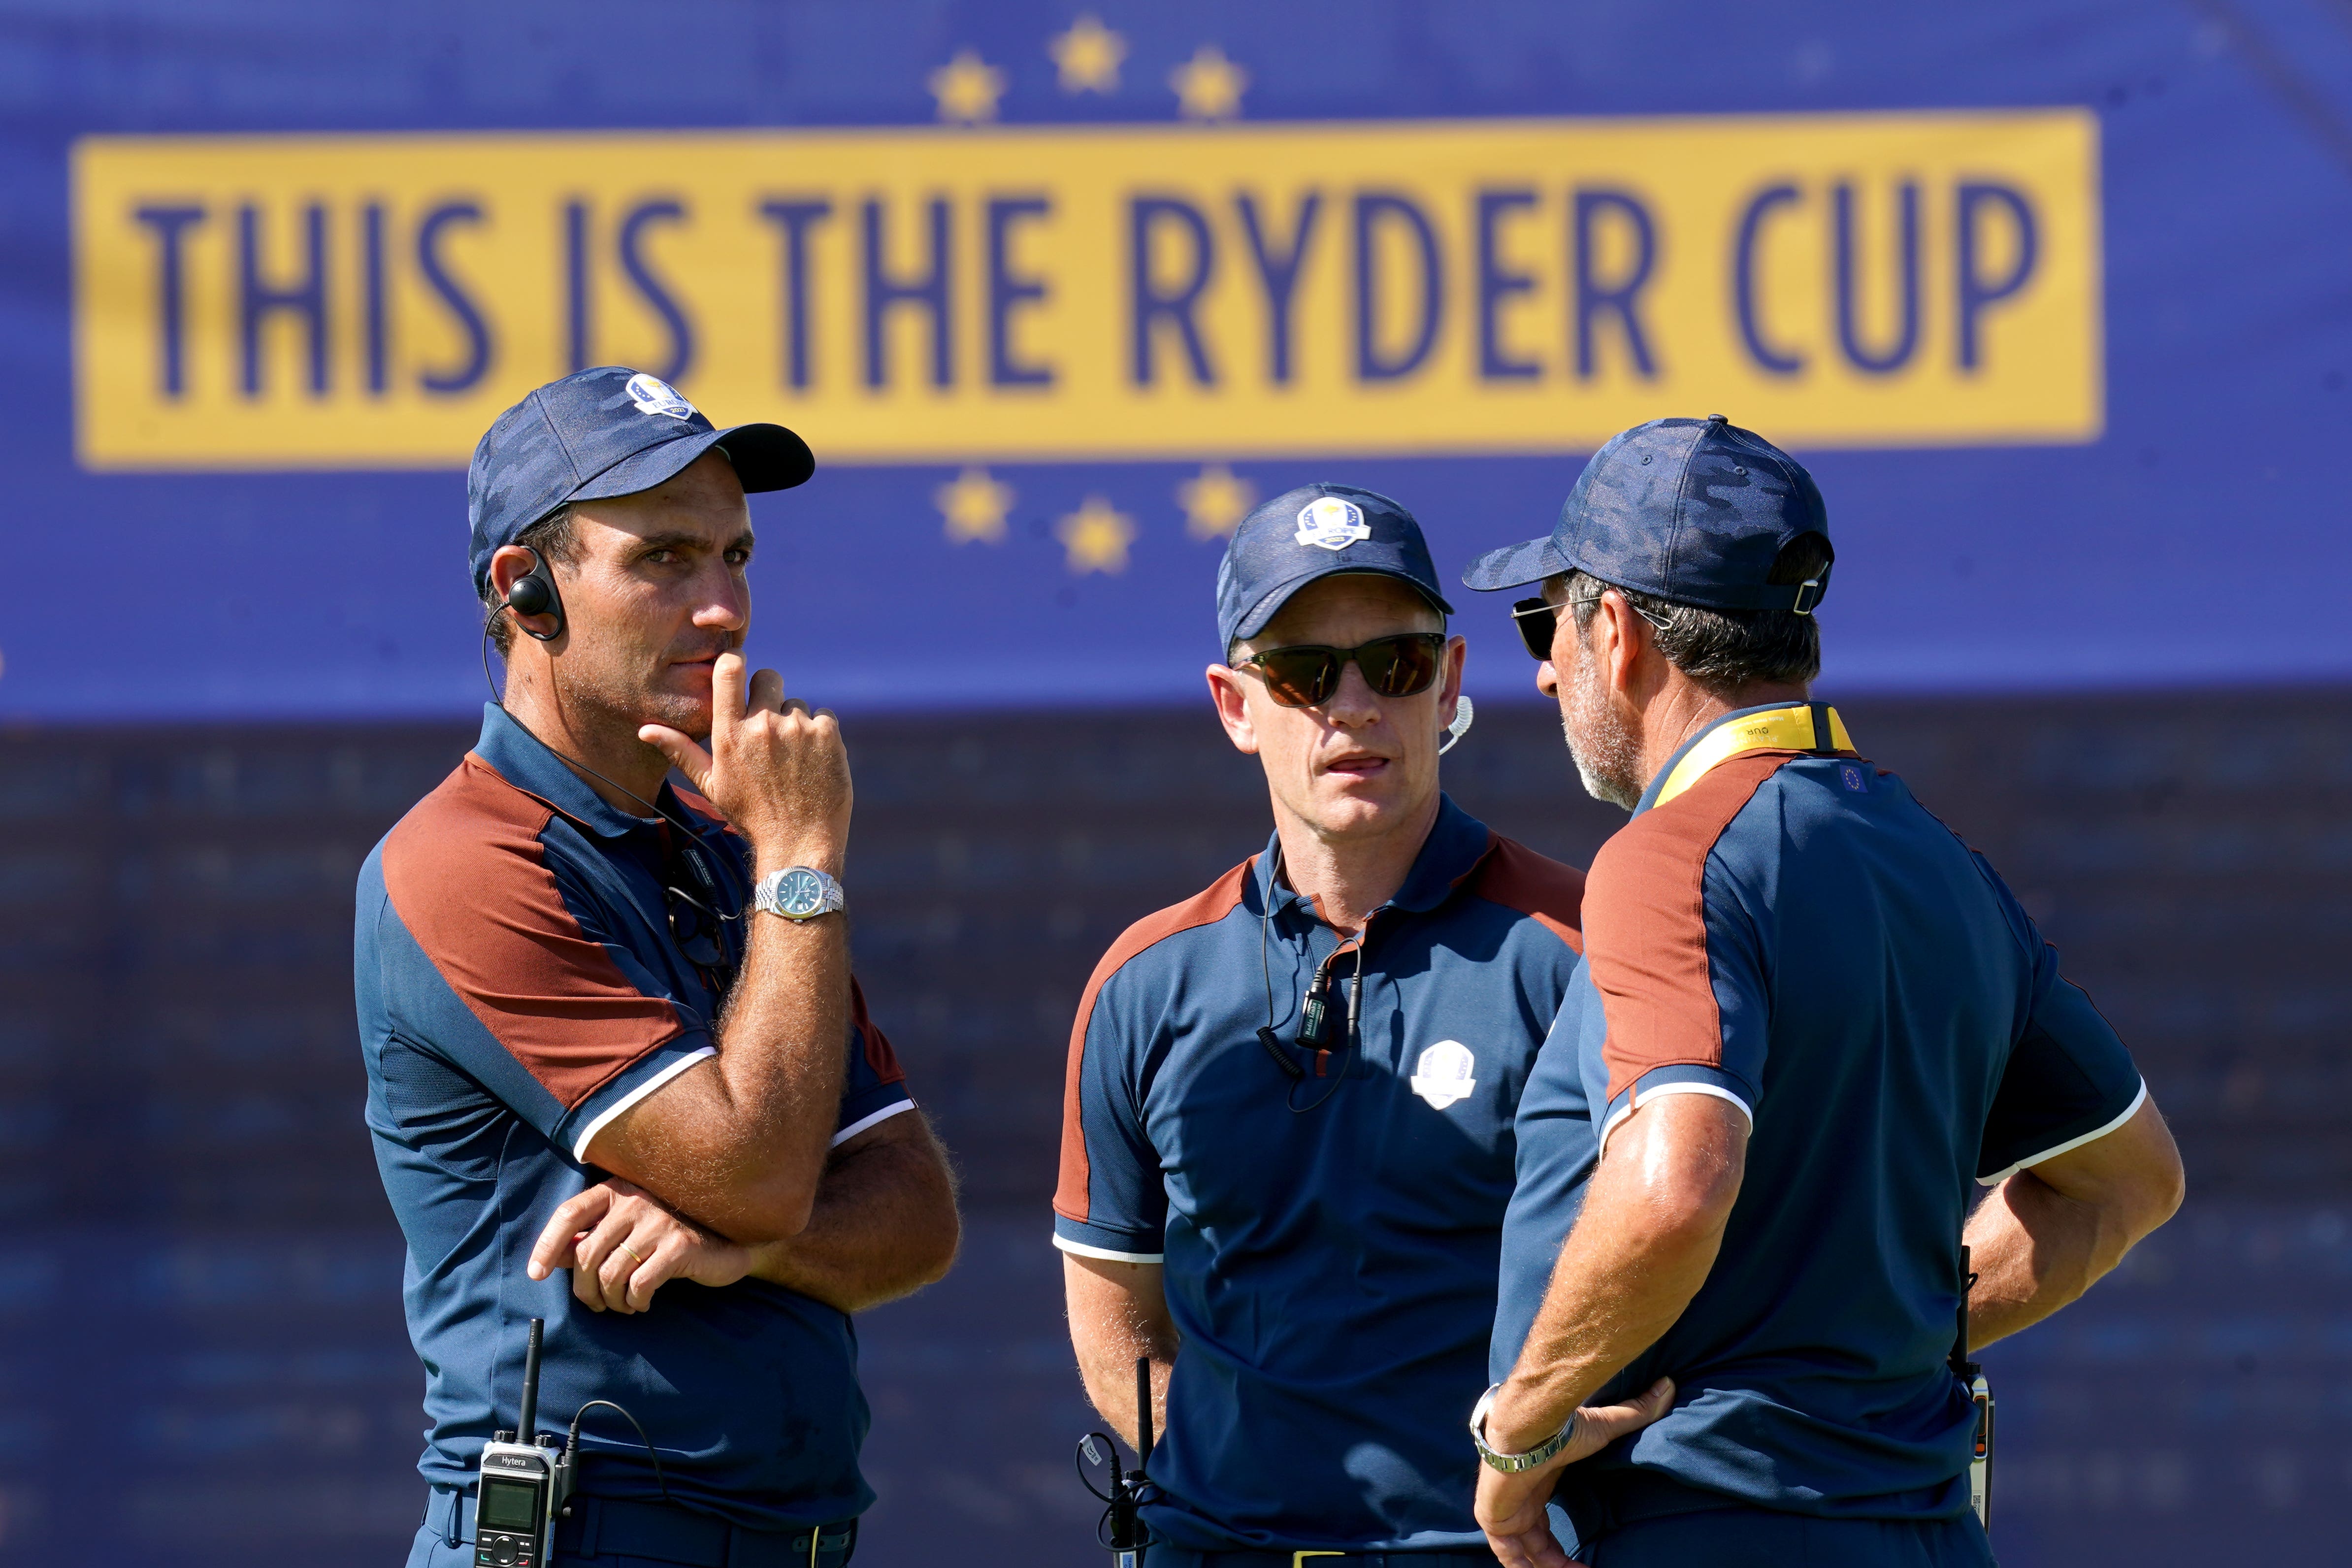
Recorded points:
1238,290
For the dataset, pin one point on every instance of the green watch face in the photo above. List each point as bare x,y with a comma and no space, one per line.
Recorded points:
800,892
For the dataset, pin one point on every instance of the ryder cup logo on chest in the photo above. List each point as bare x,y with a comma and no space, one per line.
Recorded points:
1443,1074
1332,523
652,394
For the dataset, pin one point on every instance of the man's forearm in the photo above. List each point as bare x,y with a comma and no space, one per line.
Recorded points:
1611,1298
1118,1316
2034,1250
739,1143
884,1225
1652,1225
783,1041
1108,1370
2047,1235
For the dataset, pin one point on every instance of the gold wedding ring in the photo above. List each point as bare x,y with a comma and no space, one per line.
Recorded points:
633,1252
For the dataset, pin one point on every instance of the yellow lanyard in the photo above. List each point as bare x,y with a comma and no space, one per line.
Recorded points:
1775,730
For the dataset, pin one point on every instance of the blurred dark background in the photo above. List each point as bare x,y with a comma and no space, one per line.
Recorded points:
200,1277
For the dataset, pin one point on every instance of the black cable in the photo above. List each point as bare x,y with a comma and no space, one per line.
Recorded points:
1140,1489
1356,992
1347,1046
1102,1525
497,697
572,1443
1267,1037
1264,915
1080,1459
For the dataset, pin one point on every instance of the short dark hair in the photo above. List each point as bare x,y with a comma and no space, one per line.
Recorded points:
555,541
1725,651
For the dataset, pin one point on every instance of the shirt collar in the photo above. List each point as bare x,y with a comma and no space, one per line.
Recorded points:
528,764
1771,727
1457,842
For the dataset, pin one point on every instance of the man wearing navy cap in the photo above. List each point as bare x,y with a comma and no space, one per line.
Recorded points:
1286,1142
1806,1017
572,975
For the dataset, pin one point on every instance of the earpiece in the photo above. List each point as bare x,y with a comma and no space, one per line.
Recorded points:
534,594
1454,732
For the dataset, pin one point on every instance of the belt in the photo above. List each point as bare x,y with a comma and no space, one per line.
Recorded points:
596,1526
1166,1555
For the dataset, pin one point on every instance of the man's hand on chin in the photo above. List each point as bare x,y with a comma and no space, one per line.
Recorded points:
1510,1506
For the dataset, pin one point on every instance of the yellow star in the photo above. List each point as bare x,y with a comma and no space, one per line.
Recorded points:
1216,503
974,505
1209,86
967,88
1088,55
1097,536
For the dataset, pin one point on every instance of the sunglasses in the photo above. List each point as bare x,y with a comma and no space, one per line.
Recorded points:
1539,621
698,926
1306,676
700,931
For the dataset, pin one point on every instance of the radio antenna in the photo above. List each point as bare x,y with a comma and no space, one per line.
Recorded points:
1143,1408
527,1423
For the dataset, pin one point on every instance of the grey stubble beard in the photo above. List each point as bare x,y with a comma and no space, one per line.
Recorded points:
1607,760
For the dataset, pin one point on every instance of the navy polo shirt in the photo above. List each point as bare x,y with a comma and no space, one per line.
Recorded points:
519,985
1782,926
1331,1268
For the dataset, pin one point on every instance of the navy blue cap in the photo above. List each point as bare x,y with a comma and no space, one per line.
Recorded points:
1695,510
1316,531
610,431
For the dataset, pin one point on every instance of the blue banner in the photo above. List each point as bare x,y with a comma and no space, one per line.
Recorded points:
2049,296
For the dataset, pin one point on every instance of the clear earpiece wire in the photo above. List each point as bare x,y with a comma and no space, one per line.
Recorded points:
1459,728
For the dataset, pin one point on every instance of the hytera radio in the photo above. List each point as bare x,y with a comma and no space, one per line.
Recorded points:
525,1481
523,1485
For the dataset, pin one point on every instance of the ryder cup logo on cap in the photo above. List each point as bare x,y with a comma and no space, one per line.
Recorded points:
1443,1074
653,395
1332,523
1269,557
593,434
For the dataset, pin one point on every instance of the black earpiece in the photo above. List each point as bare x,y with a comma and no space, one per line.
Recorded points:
534,594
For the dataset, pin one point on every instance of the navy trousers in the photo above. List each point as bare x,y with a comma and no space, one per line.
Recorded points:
1757,1538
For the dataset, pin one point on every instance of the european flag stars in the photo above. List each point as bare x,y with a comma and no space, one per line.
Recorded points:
1086,58
975,504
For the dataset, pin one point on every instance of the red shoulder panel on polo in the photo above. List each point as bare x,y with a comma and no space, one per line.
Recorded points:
1645,924
467,875
1212,904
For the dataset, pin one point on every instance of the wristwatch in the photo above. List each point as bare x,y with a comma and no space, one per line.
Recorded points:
798,893
1512,1464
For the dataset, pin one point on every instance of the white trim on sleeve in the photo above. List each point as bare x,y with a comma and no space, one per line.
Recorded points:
862,1123
1083,1251
588,1133
2032,1160
1654,1091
